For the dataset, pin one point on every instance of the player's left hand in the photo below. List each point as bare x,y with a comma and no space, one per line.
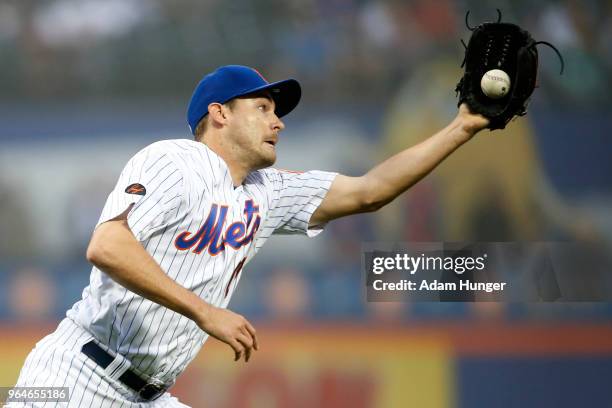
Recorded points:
471,123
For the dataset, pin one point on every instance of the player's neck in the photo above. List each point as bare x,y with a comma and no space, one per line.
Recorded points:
238,172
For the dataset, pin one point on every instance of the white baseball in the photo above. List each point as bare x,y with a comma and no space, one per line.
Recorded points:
495,83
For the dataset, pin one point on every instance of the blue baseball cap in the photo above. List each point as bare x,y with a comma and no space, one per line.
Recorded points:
231,81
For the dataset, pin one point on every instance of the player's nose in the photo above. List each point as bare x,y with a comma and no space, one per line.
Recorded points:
278,124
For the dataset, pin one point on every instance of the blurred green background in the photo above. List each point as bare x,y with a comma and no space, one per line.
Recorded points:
84,84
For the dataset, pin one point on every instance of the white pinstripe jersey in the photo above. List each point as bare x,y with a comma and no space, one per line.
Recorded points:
201,231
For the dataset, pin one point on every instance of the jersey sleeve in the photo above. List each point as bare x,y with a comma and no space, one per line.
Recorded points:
153,183
296,197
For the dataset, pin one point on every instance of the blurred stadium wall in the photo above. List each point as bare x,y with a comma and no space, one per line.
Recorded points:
84,84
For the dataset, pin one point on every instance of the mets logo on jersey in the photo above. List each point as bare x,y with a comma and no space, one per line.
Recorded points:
211,236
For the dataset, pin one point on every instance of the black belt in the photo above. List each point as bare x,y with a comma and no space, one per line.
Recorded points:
146,391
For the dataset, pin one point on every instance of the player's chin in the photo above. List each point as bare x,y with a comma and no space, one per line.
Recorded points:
269,153
267,158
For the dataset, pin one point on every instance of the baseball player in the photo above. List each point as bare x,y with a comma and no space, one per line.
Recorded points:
184,219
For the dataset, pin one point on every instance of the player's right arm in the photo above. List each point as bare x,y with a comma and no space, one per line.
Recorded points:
135,210
114,250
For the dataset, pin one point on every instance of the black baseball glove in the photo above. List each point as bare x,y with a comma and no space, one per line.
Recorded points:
505,47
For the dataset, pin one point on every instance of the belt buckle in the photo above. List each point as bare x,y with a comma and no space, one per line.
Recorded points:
151,391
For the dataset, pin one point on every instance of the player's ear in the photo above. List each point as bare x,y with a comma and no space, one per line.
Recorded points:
216,112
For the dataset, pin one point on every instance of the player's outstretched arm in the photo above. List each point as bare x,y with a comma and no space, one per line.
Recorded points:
115,250
378,187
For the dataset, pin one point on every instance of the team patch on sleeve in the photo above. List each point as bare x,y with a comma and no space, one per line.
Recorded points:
136,188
